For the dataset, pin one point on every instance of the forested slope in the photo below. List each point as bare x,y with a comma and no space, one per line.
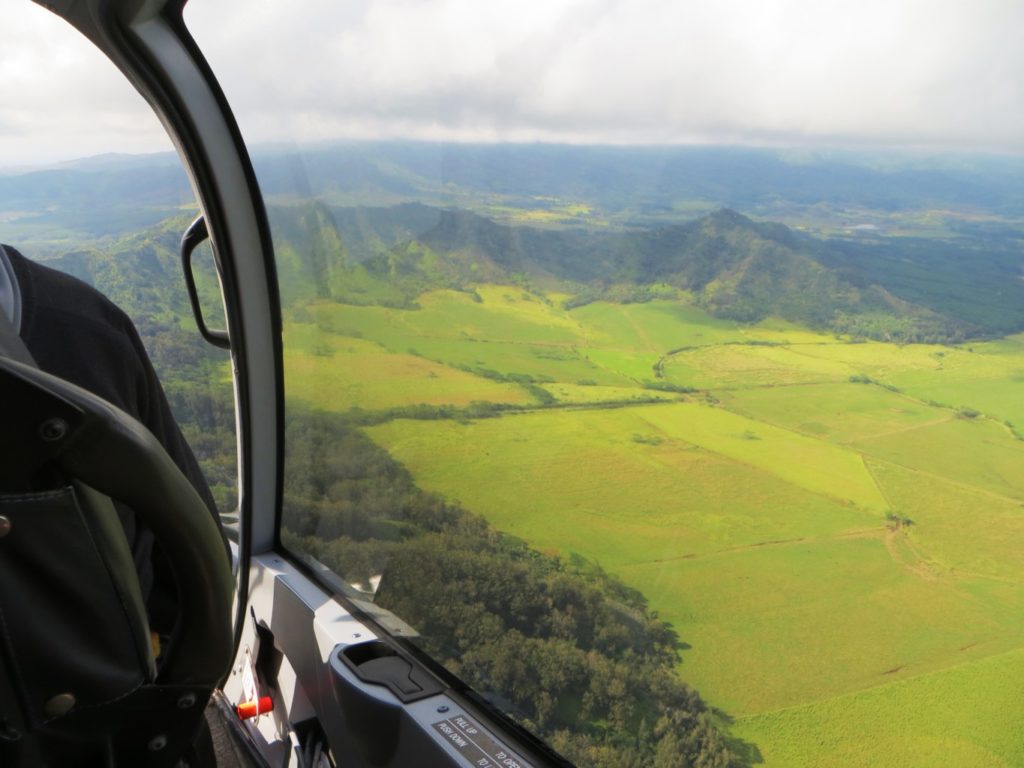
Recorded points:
734,267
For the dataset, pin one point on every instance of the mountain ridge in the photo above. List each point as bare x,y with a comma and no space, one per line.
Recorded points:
731,265
734,267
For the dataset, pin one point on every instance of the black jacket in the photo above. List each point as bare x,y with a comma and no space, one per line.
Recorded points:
76,333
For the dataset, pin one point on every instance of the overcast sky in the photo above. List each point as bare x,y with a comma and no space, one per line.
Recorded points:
889,73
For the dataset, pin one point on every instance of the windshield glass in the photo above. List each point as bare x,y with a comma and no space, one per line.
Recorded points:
657,367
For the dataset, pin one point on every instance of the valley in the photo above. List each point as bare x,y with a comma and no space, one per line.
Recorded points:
831,525
668,483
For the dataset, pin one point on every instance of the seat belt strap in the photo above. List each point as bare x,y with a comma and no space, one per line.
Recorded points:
11,344
10,291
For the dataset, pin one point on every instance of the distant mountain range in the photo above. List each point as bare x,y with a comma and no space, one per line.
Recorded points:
619,187
900,289
731,265
381,222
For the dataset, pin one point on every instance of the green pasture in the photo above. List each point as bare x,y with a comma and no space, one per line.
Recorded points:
958,529
654,326
508,332
502,313
336,374
784,595
817,466
877,359
983,376
779,331
968,716
838,413
752,513
1000,398
662,325
986,376
975,452
539,361
783,624
611,485
494,314
742,365
627,365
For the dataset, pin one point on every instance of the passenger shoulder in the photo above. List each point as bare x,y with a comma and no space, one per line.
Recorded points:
60,297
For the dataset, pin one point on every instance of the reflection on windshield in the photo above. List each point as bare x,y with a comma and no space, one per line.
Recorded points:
679,448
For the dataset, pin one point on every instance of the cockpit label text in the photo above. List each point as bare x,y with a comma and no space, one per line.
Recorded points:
476,745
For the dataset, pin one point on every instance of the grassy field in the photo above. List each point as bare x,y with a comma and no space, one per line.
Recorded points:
339,373
676,498
503,334
966,716
836,412
834,529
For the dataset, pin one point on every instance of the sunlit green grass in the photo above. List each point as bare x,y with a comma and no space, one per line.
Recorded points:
751,513
783,595
958,529
337,374
798,621
655,326
975,452
504,313
626,365
878,359
969,716
817,466
739,365
496,314
611,485
508,332
838,413
986,376
630,339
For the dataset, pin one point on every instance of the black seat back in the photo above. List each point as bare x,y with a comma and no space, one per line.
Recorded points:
78,682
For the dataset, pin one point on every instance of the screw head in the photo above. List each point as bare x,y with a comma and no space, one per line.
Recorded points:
157,743
443,708
187,701
60,704
53,430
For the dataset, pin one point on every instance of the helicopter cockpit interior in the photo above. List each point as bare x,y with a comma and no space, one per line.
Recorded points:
401,384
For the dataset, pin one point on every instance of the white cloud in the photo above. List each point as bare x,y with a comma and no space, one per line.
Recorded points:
886,72
61,98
